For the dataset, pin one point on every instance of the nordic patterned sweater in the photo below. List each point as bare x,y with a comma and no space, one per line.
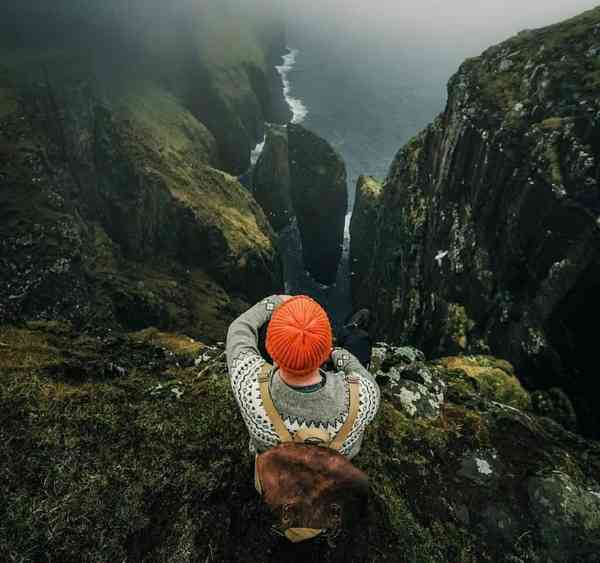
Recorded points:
325,408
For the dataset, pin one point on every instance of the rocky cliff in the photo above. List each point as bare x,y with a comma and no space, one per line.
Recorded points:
300,176
487,233
217,58
126,249
320,198
113,207
362,223
271,181
130,447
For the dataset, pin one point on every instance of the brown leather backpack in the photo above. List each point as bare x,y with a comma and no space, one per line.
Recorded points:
309,486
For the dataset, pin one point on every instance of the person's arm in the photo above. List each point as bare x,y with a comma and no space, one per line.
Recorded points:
242,336
349,363
344,360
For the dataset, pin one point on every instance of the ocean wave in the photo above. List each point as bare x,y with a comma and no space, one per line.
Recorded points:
257,151
299,110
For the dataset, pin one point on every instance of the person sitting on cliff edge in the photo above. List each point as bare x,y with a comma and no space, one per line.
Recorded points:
295,405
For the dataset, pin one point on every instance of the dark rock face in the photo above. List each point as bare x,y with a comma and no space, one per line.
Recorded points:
299,176
488,236
320,199
363,224
271,178
139,434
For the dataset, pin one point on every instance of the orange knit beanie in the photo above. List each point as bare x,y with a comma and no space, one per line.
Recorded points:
299,336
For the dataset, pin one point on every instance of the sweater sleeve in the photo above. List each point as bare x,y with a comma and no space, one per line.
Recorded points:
348,363
242,336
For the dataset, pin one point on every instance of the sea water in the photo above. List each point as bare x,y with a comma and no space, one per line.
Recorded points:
366,107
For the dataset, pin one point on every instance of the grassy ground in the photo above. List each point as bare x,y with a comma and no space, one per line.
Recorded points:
130,447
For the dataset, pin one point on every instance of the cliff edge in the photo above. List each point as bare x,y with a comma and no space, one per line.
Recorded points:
130,447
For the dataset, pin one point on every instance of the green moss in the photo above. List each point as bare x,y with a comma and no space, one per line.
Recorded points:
393,503
180,345
26,349
561,47
157,454
178,134
371,188
504,90
97,456
220,199
552,123
458,324
488,377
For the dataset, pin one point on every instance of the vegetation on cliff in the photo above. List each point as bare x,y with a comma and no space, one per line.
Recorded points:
125,251
364,218
130,447
113,212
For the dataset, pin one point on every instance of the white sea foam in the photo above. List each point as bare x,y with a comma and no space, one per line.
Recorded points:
346,248
257,151
299,110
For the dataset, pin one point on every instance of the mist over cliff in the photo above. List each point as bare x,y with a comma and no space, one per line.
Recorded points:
374,74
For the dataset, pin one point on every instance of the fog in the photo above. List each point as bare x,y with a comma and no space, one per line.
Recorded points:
373,74
449,30
462,25
438,32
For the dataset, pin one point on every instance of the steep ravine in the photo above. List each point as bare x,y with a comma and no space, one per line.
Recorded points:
487,236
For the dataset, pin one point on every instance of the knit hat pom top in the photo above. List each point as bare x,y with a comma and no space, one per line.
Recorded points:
299,336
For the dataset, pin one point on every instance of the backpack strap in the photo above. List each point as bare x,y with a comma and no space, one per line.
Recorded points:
354,384
267,401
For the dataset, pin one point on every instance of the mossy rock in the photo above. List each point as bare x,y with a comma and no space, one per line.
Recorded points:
485,376
320,201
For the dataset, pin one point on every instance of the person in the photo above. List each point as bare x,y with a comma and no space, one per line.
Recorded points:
308,398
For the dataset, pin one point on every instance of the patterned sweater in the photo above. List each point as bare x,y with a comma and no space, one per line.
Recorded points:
325,408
